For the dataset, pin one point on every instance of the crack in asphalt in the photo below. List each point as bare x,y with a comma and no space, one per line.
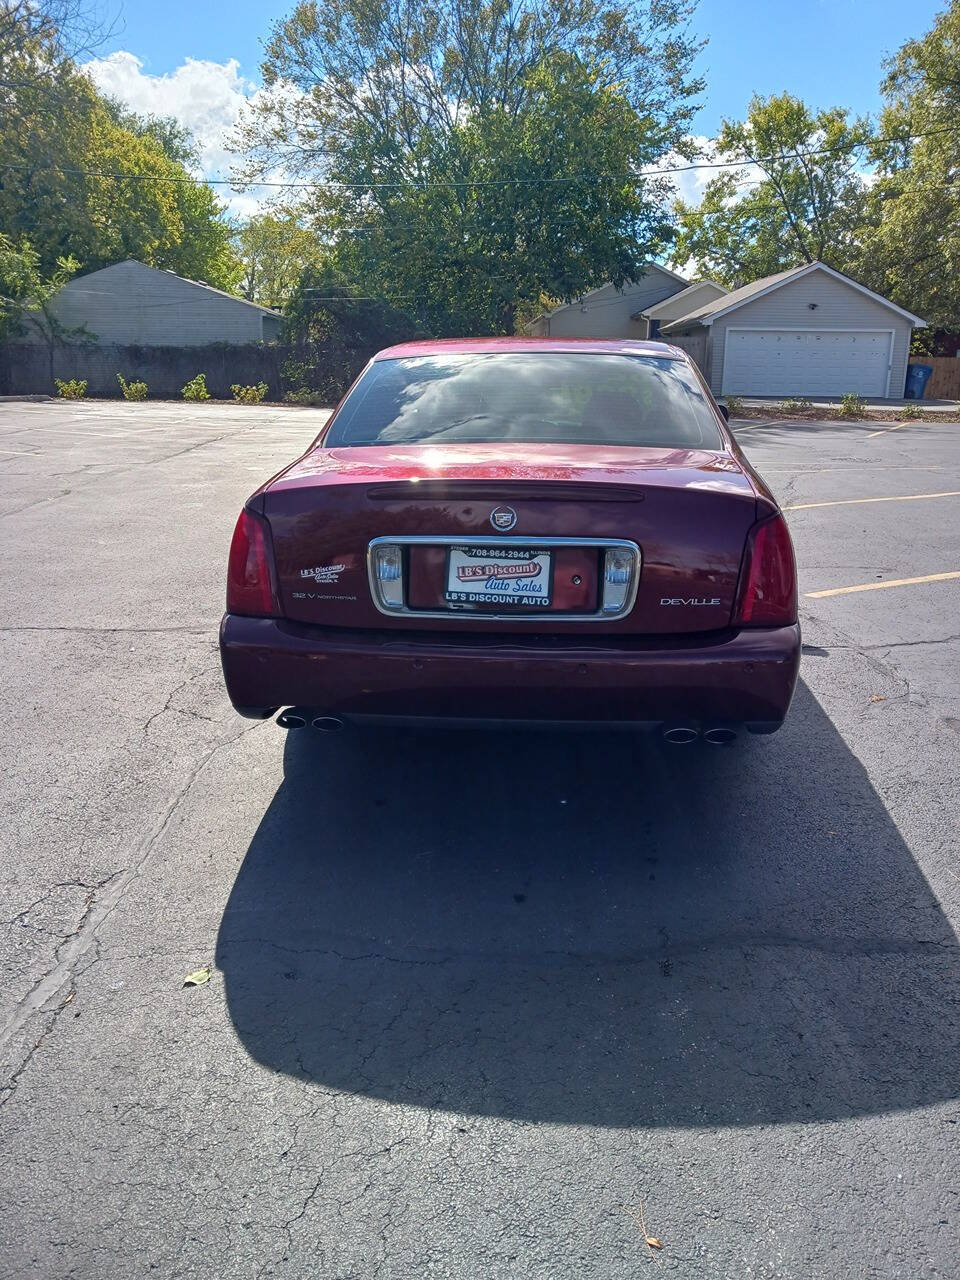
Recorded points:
239,429
36,502
77,945
20,917
183,711
910,644
287,1226
884,669
9,1089
110,631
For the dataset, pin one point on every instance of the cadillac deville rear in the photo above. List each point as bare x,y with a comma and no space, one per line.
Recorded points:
507,531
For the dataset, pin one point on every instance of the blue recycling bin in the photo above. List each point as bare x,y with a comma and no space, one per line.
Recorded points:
918,375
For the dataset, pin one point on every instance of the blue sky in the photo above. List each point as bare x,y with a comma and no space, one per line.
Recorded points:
199,60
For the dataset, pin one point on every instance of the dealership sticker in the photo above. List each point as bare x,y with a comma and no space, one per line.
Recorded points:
324,572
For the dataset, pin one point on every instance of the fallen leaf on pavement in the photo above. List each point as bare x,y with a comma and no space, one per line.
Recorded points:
197,978
879,697
653,1241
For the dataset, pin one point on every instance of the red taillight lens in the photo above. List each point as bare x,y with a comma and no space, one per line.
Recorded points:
768,580
249,578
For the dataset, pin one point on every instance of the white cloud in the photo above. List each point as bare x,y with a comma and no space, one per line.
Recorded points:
207,97
691,183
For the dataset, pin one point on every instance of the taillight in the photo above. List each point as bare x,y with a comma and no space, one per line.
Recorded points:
249,577
768,581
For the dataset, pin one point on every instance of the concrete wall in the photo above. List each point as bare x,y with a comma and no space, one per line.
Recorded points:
132,303
606,312
839,306
25,369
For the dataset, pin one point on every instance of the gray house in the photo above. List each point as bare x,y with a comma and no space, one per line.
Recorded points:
130,303
609,312
697,294
810,331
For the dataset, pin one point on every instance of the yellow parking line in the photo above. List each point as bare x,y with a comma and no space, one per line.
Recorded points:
853,502
916,422
879,586
885,431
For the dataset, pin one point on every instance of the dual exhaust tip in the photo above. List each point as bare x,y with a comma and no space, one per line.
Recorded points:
718,734
677,734
298,718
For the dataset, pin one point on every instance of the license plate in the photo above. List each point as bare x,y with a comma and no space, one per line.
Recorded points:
500,576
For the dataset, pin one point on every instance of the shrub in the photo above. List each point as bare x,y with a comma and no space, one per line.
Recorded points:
319,372
249,395
734,405
852,405
303,395
75,389
796,404
911,410
132,390
196,388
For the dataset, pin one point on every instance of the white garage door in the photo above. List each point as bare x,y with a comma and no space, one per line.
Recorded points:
799,362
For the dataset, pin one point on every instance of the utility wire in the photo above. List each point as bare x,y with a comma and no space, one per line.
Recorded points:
636,179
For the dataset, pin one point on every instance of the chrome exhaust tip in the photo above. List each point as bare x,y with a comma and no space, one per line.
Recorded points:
720,735
327,724
291,719
680,733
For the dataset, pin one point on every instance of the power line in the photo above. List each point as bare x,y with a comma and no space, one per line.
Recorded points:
386,227
636,179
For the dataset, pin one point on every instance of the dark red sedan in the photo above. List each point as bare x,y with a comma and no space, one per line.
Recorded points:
509,530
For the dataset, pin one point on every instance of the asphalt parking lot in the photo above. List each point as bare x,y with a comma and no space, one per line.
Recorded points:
723,982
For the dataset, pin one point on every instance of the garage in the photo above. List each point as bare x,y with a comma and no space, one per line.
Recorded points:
821,362
809,331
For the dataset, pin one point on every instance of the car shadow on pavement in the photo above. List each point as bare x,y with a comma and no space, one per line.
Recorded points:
593,929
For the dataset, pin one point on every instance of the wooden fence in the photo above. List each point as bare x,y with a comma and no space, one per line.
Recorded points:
944,382
695,346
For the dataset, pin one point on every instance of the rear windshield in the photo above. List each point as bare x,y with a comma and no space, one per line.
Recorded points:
527,397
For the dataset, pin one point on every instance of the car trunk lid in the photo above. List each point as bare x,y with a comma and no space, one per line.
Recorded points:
688,511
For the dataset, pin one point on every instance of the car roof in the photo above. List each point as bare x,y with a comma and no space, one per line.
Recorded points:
482,346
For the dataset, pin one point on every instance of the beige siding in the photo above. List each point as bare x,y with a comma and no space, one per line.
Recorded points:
693,299
133,304
838,306
606,312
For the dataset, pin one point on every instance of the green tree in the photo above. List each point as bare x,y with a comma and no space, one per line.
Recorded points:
274,250
334,332
476,154
15,279
61,30
60,142
174,139
807,205
911,246
26,295
466,249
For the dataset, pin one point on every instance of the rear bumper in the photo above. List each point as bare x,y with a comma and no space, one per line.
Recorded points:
744,677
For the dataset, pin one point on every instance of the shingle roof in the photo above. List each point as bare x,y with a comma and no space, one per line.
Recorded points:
165,271
576,302
737,296
652,310
720,306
